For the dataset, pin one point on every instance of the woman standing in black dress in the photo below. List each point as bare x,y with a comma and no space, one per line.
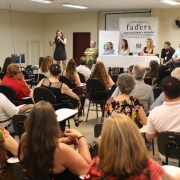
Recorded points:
60,52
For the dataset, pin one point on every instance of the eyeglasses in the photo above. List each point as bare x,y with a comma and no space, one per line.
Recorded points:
19,72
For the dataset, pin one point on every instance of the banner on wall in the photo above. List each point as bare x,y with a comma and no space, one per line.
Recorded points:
137,30
108,36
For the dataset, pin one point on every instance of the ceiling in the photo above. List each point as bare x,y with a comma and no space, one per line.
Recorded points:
94,5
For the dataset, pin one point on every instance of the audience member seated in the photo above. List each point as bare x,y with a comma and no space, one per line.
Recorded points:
160,99
7,62
59,90
166,116
125,50
124,103
44,69
142,91
123,155
7,143
91,54
101,74
130,68
8,110
51,154
15,79
150,49
163,71
175,61
153,70
109,49
167,53
72,74
83,69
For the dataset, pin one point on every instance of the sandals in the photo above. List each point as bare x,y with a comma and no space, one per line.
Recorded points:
77,121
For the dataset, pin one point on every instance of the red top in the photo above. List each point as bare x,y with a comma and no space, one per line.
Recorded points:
21,88
152,171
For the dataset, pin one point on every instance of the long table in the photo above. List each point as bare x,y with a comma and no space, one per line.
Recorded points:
126,61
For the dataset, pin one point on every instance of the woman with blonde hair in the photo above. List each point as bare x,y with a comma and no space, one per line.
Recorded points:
123,155
150,49
44,69
101,74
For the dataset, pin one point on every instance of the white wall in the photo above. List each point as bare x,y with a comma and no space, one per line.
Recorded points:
26,26
42,27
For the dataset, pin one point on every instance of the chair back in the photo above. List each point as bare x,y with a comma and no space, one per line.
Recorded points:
66,81
18,123
169,145
97,130
39,77
2,75
44,94
96,90
82,78
157,91
114,77
148,80
26,75
113,89
9,93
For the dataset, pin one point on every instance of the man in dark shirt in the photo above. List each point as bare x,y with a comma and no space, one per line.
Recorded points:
167,52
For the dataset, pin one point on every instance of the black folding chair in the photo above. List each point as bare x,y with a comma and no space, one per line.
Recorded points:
97,95
9,93
66,81
148,80
169,145
157,91
44,94
82,78
97,130
2,75
18,124
114,77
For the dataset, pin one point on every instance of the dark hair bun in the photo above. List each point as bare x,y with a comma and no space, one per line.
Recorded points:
55,69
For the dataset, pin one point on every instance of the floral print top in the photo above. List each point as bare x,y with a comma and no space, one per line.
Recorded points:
153,171
129,107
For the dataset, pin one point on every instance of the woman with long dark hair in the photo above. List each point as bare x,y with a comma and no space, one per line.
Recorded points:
125,50
60,52
7,62
42,150
72,74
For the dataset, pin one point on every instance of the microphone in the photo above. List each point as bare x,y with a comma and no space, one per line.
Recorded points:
58,37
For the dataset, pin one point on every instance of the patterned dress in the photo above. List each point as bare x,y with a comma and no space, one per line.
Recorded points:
6,173
129,107
152,171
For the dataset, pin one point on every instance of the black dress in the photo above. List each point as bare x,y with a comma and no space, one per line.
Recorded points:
60,52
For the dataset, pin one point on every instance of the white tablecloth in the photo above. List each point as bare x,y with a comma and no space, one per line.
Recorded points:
126,61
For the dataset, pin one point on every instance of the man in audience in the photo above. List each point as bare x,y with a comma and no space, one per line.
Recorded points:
160,99
165,117
142,91
167,52
7,110
82,68
175,61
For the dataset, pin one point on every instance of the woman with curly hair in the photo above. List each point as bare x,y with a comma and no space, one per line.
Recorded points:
72,74
101,74
44,152
7,62
124,103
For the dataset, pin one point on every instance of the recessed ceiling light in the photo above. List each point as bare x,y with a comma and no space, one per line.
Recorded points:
74,6
43,1
171,2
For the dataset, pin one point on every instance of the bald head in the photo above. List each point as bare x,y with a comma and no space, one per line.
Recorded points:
138,72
